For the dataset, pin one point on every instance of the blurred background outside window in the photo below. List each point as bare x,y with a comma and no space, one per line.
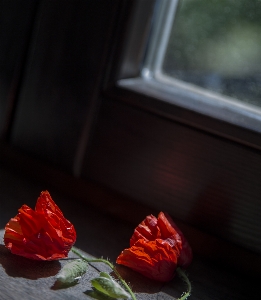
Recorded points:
211,44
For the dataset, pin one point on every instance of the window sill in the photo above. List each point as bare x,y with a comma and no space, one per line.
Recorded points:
236,122
211,274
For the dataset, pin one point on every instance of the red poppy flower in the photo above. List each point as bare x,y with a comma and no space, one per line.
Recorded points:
164,228
154,259
41,234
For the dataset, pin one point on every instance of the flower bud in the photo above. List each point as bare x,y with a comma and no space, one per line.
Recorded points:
71,272
106,285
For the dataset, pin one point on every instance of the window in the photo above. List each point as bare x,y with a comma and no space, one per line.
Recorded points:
205,56
215,45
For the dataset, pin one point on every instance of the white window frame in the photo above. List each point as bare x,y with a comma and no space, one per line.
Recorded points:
173,98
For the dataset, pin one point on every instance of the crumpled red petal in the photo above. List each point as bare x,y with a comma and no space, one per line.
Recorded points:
40,234
153,259
170,229
163,227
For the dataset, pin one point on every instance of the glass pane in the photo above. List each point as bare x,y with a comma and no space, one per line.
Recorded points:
216,44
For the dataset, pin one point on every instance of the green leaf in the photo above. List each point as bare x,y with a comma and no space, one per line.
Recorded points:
106,275
94,294
71,272
108,286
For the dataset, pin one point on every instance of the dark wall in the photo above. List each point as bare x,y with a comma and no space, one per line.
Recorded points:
68,45
206,181
16,23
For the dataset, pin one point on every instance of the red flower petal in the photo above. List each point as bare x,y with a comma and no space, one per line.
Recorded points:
42,234
170,230
164,228
154,259
147,230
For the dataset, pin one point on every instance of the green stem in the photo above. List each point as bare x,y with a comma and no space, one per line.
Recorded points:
105,261
184,277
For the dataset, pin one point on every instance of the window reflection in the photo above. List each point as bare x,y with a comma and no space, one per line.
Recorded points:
216,44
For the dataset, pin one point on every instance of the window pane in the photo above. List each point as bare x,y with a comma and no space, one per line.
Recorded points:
216,44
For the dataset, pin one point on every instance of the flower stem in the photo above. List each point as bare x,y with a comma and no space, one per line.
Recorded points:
184,277
105,261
